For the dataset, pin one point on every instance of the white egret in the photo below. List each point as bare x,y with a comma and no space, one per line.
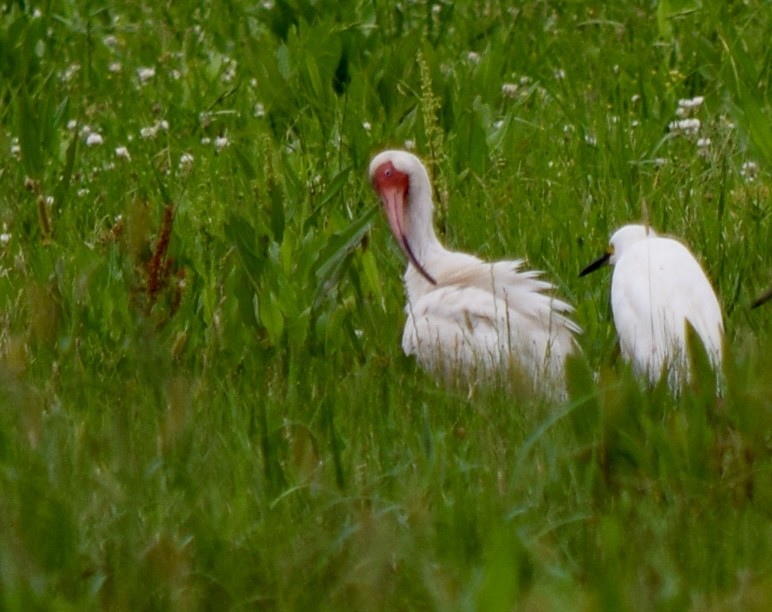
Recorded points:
656,288
468,319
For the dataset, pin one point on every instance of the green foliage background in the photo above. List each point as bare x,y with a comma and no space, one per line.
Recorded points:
203,402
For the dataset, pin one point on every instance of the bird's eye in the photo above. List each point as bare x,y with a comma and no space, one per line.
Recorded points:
387,172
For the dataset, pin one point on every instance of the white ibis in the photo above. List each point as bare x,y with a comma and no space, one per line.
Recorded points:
467,319
657,287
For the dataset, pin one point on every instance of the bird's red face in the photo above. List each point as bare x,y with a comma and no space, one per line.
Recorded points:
394,187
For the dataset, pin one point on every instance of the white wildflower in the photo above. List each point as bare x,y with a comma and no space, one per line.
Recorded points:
70,72
122,153
703,143
221,142
5,238
186,162
83,192
94,139
15,147
591,140
366,125
635,123
691,103
660,161
635,98
115,67
110,40
410,145
473,57
259,110
72,124
749,171
229,72
688,127
559,74
145,74
509,89
148,133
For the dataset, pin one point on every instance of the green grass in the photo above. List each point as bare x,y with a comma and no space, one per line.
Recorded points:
203,402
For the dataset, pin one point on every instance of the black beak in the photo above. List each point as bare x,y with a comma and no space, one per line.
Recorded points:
598,263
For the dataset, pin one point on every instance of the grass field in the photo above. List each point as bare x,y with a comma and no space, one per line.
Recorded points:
203,400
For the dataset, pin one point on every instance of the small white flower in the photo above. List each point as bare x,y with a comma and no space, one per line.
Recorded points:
473,57
635,98
15,147
559,74
72,124
691,103
49,200
688,127
163,124
259,110
497,125
509,89
148,133
94,139
220,142
525,80
145,74
83,192
749,171
70,72
175,74
591,140
366,125
110,40
635,123
122,153
186,161
410,145
115,67
660,161
5,237
703,143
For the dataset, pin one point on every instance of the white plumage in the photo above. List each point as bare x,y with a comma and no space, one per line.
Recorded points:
468,319
658,286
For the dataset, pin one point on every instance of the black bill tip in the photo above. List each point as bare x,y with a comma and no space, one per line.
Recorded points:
598,263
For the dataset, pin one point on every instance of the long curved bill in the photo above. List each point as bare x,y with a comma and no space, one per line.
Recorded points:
394,203
598,263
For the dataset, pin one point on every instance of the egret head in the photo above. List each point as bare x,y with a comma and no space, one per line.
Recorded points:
622,239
